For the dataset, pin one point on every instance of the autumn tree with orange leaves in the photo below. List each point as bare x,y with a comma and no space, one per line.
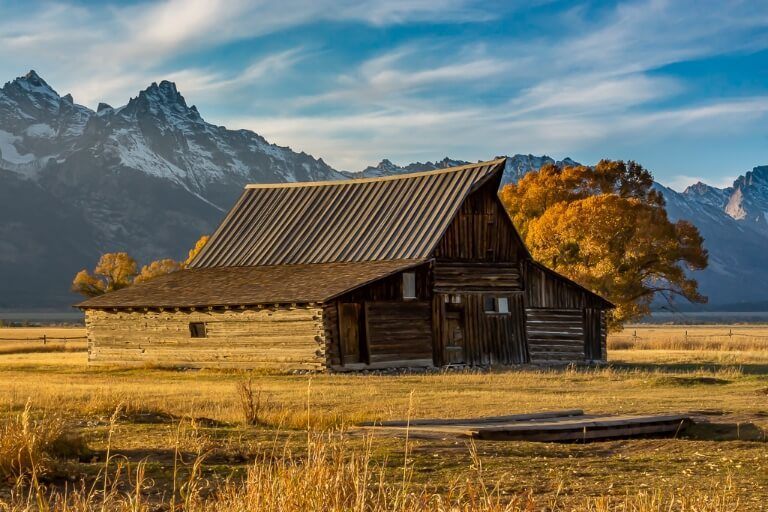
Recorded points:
606,228
118,270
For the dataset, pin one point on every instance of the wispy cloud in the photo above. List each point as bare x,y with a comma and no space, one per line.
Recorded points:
590,77
115,50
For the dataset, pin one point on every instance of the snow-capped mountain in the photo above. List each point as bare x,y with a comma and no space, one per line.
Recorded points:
148,177
151,176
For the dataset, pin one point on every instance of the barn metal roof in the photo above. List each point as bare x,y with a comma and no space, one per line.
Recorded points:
243,286
391,218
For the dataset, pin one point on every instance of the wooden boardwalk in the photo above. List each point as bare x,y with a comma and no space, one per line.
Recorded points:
553,426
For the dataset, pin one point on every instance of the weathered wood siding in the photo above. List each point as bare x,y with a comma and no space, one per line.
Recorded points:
453,277
269,337
555,336
481,231
594,338
391,287
546,289
488,338
399,331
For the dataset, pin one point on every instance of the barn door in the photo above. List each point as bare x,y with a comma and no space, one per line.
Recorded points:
592,335
453,332
352,333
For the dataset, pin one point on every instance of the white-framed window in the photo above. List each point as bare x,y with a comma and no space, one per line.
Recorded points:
409,285
495,305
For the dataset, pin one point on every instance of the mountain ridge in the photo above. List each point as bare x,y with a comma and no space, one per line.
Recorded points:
150,176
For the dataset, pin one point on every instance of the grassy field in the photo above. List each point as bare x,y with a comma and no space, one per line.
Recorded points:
185,432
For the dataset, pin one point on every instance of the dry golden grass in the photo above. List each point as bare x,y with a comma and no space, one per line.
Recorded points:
721,338
331,475
169,419
18,340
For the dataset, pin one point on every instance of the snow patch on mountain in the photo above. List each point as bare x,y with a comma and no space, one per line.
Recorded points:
8,151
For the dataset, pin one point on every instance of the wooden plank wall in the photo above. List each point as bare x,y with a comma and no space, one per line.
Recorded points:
391,288
399,330
546,290
555,336
271,337
494,338
481,231
476,277
593,337
604,334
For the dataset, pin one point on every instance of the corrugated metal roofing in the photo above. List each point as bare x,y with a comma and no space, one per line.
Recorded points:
392,218
244,286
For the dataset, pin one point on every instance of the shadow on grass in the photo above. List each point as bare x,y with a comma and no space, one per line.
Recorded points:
726,432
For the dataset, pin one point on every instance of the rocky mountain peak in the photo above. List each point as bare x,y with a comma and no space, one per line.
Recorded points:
165,93
703,193
31,84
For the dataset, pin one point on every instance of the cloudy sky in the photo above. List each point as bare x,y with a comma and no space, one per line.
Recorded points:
680,86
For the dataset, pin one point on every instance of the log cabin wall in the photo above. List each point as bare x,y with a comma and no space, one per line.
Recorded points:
555,336
272,337
564,323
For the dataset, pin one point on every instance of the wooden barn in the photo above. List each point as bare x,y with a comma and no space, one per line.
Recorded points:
404,271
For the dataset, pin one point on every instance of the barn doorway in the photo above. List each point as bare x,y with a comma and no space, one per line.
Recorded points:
352,335
454,342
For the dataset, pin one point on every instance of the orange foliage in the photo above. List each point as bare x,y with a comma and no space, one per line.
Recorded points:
157,268
196,249
114,271
118,270
607,229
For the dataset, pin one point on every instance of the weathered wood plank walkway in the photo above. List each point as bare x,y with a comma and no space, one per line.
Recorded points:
553,426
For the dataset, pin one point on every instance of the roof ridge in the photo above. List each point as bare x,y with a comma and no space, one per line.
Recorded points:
352,181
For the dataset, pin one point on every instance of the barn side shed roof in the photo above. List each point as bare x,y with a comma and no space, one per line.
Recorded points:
390,218
243,286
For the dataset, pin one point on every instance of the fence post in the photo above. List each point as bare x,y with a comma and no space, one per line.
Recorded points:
686,336
44,339
634,337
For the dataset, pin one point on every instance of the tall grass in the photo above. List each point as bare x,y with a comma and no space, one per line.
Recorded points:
27,445
327,475
331,477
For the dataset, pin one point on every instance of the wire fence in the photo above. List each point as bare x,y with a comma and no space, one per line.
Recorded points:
686,336
725,340
46,339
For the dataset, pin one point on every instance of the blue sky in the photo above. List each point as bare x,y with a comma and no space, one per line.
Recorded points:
680,86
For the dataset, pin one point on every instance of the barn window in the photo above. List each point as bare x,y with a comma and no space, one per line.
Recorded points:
409,285
197,330
498,305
